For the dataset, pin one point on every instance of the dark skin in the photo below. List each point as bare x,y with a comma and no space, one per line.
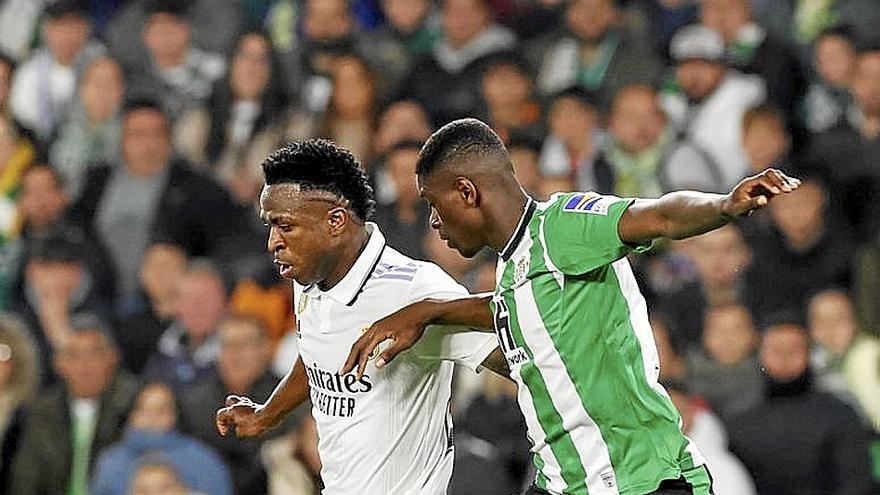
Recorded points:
315,239
478,203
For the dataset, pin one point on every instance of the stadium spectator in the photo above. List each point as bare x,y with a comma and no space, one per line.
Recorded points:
524,152
71,422
7,69
672,364
177,73
570,148
351,113
828,94
156,476
16,155
401,120
847,154
804,251
139,331
19,376
447,83
664,17
798,441
41,203
292,462
725,370
493,417
188,349
409,33
153,196
721,258
152,430
242,369
765,139
511,106
45,84
243,120
632,163
752,50
215,25
600,53
91,133
707,112
19,20
63,274
801,23
706,430
400,213
843,357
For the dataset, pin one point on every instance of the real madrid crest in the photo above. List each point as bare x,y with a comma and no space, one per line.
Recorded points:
521,270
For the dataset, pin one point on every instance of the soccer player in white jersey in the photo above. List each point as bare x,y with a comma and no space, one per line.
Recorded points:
568,312
388,431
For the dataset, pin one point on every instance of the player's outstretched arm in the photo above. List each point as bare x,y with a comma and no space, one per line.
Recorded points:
406,326
249,418
682,214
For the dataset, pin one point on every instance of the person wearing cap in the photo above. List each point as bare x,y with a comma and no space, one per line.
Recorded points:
706,107
45,84
75,419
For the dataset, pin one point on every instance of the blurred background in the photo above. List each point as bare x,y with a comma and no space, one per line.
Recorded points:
136,291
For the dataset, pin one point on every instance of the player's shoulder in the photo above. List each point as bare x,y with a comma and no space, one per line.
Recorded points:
419,275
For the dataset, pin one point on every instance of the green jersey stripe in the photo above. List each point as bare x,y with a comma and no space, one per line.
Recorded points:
563,468
592,452
651,361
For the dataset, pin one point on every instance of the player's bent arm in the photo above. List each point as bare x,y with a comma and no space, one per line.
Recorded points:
290,392
249,419
682,214
406,326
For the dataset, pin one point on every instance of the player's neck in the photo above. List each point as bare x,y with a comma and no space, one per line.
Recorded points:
348,255
505,219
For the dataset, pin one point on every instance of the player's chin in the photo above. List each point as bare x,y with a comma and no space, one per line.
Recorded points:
467,252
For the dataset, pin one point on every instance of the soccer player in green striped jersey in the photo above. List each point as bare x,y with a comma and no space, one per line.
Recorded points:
568,312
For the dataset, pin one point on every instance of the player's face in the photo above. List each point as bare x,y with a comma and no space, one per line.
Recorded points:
454,214
299,232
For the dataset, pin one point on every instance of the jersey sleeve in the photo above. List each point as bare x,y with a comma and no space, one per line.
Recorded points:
462,345
580,231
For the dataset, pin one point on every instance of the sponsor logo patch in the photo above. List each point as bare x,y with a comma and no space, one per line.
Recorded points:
589,203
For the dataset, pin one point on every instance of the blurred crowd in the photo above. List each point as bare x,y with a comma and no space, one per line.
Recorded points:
136,291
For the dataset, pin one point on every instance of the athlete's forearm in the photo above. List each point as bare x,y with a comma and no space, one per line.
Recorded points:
471,311
290,392
675,215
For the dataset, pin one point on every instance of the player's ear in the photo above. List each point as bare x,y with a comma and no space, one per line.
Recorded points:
467,190
336,219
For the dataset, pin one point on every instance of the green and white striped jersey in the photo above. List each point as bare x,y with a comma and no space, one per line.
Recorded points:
574,328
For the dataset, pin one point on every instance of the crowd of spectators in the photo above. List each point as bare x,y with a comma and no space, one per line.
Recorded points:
136,292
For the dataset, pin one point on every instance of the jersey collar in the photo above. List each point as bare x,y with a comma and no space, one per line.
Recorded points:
521,227
346,291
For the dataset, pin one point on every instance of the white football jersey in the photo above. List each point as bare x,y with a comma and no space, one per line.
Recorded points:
389,432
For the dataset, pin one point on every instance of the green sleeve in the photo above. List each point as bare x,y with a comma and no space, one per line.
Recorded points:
580,231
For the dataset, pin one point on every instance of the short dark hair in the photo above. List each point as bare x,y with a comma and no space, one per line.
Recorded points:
61,8
456,140
178,8
321,165
143,103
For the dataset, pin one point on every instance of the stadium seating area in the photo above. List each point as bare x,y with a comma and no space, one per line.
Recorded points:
136,291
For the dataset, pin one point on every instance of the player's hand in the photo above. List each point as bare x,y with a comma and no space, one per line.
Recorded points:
756,192
242,414
403,328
